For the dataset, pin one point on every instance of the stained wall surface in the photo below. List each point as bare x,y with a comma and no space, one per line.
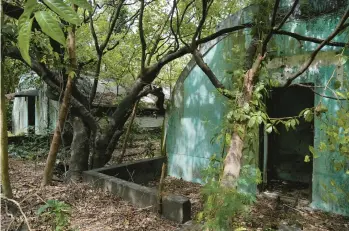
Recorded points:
197,110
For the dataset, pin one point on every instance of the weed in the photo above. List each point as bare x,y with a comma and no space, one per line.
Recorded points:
57,211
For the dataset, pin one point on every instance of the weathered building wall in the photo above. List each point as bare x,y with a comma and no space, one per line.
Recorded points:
197,110
46,110
20,116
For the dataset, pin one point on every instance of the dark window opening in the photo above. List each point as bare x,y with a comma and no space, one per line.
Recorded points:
31,113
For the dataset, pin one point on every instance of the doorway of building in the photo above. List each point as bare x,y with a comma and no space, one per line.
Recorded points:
31,113
286,168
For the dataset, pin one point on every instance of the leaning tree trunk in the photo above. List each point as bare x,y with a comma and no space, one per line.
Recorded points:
106,141
63,112
232,161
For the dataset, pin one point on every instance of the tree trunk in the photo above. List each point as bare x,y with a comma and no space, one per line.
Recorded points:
105,142
79,150
124,146
232,161
5,178
63,112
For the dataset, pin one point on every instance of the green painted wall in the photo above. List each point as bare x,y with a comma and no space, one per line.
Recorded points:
197,111
195,116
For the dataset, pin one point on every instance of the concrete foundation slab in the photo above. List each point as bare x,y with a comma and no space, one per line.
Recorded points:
128,180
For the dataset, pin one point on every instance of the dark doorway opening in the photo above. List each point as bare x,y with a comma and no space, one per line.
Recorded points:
286,168
31,113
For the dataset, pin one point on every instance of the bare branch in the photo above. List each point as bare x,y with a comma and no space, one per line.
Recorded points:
313,55
100,49
112,25
322,95
223,32
276,6
171,24
141,36
211,76
310,39
157,41
86,19
165,51
205,8
184,12
20,209
94,36
287,15
270,34
162,45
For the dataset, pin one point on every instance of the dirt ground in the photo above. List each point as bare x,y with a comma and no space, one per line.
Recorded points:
93,210
269,214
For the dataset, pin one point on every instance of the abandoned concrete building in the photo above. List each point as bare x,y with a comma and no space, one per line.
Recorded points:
34,109
197,109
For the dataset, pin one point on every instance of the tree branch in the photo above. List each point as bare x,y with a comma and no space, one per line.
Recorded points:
157,41
223,32
141,36
313,55
100,49
287,15
270,34
322,95
211,76
171,25
94,36
202,20
310,39
112,26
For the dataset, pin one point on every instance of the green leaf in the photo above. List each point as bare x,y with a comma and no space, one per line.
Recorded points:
293,123
337,84
269,128
200,216
306,159
227,138
24,35
50,26
251,122
28,10
42,209
343,59
83,4
322,146
308,115
63,10
311,149
340,94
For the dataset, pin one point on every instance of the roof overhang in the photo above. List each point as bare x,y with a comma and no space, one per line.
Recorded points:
22,94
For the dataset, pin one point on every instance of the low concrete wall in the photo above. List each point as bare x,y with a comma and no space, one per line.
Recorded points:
124,180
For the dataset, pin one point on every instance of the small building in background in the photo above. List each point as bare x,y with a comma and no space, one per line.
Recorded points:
34,112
